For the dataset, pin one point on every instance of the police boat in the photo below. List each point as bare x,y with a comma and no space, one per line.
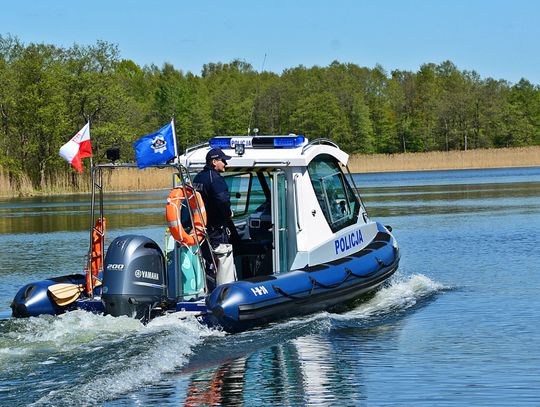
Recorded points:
301,236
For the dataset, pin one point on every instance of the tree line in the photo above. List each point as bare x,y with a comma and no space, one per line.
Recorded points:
47,93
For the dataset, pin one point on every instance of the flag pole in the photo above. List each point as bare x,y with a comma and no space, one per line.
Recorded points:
91,164
175,145
89,286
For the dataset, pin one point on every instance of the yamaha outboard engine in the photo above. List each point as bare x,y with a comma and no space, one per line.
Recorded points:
133,277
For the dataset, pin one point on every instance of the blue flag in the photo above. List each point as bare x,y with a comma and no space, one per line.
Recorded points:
155,148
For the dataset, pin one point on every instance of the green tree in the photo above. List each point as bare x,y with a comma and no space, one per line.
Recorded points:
232,89
363,140
320,115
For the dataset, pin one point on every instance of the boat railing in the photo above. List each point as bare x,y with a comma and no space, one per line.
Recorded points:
185,182
196,147
319,141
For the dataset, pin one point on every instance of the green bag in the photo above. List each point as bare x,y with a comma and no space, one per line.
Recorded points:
192,271
185,271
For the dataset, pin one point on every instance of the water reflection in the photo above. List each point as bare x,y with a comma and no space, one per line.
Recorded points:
460,199
312,369
71,213
223,385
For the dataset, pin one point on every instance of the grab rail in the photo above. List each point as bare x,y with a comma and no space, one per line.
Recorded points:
279,290
324,141
196,147
296,195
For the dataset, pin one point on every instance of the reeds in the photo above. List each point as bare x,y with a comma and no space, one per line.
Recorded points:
118,179
132,179
441,160
14,184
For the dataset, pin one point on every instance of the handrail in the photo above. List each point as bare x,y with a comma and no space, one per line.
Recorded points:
323,141
133,165
196,147
296,195
269,162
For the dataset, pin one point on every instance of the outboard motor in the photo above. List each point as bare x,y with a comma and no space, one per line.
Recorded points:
133,277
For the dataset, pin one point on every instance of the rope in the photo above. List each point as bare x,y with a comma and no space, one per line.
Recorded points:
363,275
278,290
315,282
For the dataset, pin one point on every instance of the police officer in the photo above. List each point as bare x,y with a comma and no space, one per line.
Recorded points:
215,194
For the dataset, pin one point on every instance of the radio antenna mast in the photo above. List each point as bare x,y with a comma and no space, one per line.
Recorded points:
255,96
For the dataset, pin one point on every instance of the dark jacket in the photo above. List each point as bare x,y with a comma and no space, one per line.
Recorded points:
215,194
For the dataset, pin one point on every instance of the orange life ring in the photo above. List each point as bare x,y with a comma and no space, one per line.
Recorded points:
175,201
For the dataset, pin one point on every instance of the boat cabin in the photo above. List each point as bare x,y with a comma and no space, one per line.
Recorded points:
295,203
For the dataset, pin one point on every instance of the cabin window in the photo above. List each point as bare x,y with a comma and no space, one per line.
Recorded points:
336,198
239,188
247,192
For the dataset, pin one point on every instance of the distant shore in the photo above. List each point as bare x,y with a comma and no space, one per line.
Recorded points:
130,179
451,160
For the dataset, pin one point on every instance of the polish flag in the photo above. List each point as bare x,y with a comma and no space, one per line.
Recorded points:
77,148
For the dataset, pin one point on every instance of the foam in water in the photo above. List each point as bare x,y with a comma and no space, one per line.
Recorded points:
64,332
162,346
402,293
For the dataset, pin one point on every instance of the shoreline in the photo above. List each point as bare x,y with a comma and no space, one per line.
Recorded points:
130,180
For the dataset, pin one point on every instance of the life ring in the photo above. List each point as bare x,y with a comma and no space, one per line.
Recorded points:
175,201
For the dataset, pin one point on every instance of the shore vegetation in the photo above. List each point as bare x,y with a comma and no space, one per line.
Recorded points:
47,93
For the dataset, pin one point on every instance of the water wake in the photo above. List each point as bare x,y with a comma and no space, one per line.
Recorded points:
162,346
402,293
82,359
62,333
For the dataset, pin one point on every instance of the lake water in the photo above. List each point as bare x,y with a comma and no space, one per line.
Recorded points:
458,325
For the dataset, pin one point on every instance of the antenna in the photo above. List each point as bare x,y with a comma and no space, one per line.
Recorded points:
255,97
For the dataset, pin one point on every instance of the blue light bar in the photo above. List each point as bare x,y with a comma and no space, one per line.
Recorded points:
290,141
220,142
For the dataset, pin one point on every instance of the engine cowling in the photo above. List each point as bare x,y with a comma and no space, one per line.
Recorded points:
133,277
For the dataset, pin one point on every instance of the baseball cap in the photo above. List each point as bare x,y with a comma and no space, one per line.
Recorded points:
216,154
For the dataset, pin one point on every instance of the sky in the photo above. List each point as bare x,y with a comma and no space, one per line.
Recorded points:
497,39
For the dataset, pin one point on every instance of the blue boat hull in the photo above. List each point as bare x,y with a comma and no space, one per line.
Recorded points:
34,299
244,304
